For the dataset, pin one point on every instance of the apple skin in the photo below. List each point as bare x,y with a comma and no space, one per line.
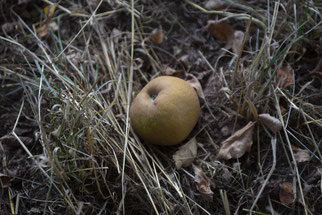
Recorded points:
165,111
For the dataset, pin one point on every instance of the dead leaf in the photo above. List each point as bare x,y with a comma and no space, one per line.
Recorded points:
301,155
286,193
226,174
237,41
283,110
5,180
202,183
171,72
157,36
194,82
185,60
220,30
216,5
55,133
237,144
49,12
9,27
270,122
186,154
34,210
75,57
285,76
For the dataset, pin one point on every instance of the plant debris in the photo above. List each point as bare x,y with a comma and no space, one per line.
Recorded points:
285,76
237,144
286,193
270,122
157,36
186,154
202,184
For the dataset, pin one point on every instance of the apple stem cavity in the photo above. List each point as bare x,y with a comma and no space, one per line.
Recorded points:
153,96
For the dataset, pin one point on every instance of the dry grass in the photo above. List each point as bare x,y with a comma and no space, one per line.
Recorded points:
79,81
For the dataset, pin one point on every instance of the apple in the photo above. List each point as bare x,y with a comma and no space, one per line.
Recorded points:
165,111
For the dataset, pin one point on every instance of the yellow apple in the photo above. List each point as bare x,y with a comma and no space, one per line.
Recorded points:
165,111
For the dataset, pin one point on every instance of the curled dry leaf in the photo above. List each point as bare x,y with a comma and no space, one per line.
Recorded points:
194,82
202,183
9,27
301,155
186,154
237,144
55,134
157,36
220,30
286,193
237,41
270,122
285,76
184,59
171,72
5,180
216,4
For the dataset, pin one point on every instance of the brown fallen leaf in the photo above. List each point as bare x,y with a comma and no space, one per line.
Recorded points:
285,76
186,154
270,122
223,31
172,72
220,29
184,59
301,155
286,193
237,144
194,82
157,36
283,110
5,180
202,183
